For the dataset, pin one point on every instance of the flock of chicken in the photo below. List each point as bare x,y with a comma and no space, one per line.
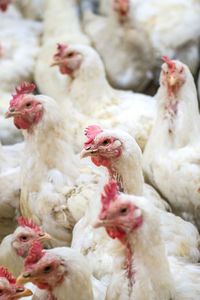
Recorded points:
100,196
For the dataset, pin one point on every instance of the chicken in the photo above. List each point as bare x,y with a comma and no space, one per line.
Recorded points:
172,164
93,97
19,41
9,290
119,153
146,272
10,159
163,22
131,65
62,271
15,247
55,187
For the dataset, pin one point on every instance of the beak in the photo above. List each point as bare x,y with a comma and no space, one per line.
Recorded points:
85,153
172,80
44,237
24,293
54,63
9,114
24,278
99,223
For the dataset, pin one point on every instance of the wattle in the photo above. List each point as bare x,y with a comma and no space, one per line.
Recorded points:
101,161
21,123
115,232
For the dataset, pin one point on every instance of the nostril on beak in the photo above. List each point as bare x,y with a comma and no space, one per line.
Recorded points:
12,109
41,234
88,148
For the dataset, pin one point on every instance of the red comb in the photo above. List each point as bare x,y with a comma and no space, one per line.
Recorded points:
110,190
5,273
24,89
60,48
24,222
91,132
170,63
35,254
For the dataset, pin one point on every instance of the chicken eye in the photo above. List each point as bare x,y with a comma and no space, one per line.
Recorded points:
47,268
105,142
24,238
123,210
70,54
181,70
1,292
28,104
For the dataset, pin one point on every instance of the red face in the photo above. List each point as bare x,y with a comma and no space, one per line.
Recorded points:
121,7
26,112
173,76
119,218
102,150
4,4
68,60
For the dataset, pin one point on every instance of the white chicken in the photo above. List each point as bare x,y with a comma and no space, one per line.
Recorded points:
95,99
118,152
10,160
131,65
15,247
171,157
9,289
63,272
19,40
146,272
55,188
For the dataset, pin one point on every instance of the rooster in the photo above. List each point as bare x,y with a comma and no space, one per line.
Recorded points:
172,165
146,272
63,272
93,97
9,290
58,188
131,66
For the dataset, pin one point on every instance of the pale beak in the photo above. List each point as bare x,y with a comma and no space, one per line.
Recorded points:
87,152
9,114
54,63
172,80
24,278
24,293
44,237
99,223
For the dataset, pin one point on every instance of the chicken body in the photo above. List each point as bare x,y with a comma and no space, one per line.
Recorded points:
147,272
131,66
172,165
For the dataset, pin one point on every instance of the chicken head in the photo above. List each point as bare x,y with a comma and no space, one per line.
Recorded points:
67,59
8,288
172,75
25,235
121,7
119,216
45,270
25,109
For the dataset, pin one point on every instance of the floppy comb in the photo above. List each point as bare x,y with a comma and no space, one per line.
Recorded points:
170,63
24,222
60,49
110,190
35,254
23,90
91,132
6,274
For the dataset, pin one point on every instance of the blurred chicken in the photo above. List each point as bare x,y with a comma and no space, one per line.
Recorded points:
163,22
15,247
19,40
95,99
9,290
10,160
131,65
62,271
146,272
119,153
55,188
171,157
